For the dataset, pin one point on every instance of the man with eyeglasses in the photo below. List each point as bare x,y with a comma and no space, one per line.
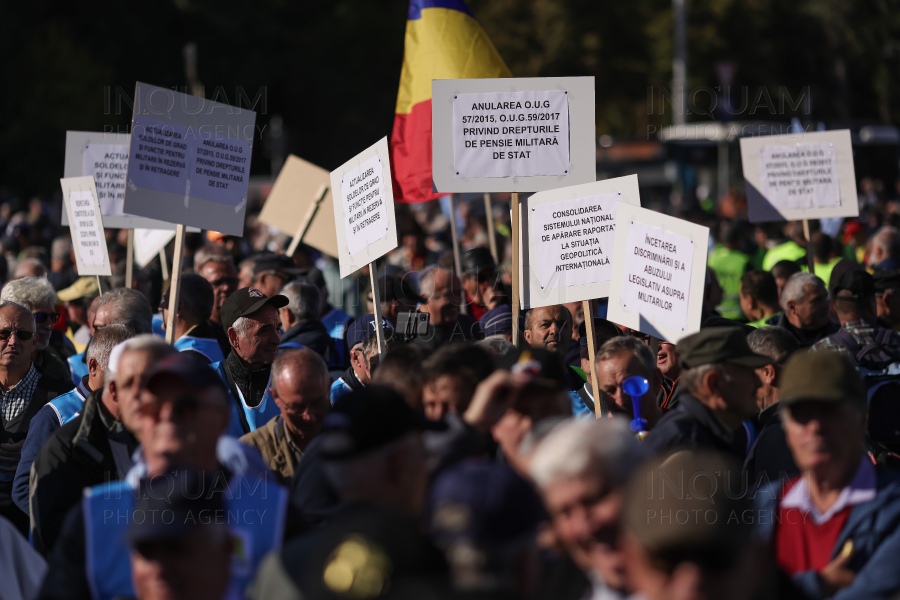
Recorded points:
23,392
215,264
53,348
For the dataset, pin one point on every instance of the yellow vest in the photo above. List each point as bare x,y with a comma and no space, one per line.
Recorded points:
729,266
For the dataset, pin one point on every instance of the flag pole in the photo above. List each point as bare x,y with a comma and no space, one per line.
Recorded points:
492,238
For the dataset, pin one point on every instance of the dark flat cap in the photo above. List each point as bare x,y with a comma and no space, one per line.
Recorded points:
719,345
824,376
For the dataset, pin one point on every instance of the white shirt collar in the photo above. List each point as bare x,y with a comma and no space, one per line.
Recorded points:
862,488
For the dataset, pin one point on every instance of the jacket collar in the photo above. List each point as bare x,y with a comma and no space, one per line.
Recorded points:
705,417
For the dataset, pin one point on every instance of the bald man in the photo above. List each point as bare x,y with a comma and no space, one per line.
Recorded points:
300,387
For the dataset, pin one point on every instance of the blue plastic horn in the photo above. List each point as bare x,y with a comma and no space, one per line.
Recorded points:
636,386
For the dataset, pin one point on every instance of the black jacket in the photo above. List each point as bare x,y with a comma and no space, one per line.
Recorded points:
313,335
805,337
77,455
691,425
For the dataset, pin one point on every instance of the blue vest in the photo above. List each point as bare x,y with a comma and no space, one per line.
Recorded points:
78,367
338,389
336,323
256,417
68,405
207,347
158,326
256,516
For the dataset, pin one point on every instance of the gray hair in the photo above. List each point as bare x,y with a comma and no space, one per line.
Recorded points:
775,342
888,241
497,345
30,292
622,344
580,447
211,253
146,342
17,306
242,326
426,280
691,379
304,300
104,341
131,308
61,249
794,288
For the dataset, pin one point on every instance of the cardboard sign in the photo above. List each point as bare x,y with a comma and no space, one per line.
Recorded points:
512,135
148,243
104,156
189,160
659,273
799,176
86,225
364,213
290,199
571,235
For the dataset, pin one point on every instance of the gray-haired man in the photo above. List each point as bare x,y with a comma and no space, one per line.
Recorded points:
300,320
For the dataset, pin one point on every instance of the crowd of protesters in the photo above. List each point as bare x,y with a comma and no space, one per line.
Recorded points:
277,450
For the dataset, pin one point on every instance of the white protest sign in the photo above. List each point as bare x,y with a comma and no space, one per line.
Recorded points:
364,213
512,135
148,243
189,160
85,223
659,273
104,156
567,256
799,176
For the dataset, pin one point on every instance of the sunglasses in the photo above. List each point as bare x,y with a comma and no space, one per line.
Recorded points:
23,334
41,317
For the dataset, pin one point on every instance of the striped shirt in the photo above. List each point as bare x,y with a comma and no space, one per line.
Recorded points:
863,332
14,401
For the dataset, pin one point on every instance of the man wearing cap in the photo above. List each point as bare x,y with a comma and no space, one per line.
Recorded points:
96,446
693,539
373,452
193,331
479,281
66,407
581,468
183,415
887,298
271,272
188,555
836,527
300,389
718,392
397,294
362,341
497,322
77,299
250,319
855,306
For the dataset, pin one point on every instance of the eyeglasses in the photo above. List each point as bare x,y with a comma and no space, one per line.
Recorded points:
41,317
229,281
23,334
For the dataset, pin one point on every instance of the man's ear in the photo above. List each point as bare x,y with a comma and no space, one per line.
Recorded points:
233,337
93,365
769,374
527,334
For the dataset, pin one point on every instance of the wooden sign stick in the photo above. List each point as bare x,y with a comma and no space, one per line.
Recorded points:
99,287
175,286
810,259
376,304
463,307
307,220
164,264
489,214
514,269
592,353
129,260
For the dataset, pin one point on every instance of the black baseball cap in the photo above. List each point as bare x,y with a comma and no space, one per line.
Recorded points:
359,330
367,419
886,279
859,283
719,345
478,261
247,301
170,505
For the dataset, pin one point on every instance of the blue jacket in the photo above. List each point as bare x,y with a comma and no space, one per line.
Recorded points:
874,528
206,346
45,422
78,367
335,321
256,416
256,507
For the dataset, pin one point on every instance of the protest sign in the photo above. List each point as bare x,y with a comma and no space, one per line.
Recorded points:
88,237
364,211
105,157
567,256
512,135
296,205
148,243
189,160
658,273
799,176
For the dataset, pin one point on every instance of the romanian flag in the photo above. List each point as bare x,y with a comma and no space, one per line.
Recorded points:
443,41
